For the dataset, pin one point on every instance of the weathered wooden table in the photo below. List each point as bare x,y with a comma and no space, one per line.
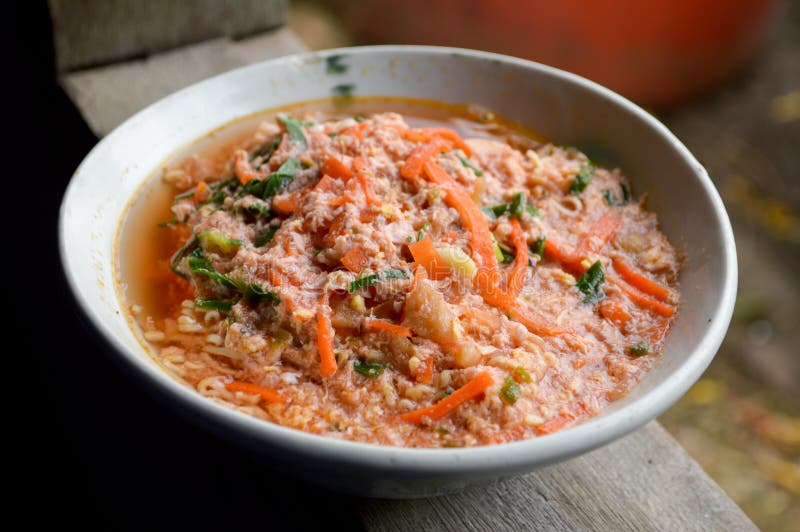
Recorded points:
644,481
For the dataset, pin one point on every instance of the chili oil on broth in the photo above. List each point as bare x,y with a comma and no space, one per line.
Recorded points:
155,294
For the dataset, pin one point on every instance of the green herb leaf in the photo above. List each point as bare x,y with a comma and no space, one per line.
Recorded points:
510,391
422,231
590,281
269,148
255,294
334,65
221,305
370,280
282,177
259,209
178,256
183,195
218,242
583,178
626,193
537,248
609,196
516,208
202,266
639,349
521,374
266,235
468,164
369,369
294,128
358,284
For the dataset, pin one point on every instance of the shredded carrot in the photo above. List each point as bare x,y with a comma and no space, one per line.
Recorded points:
643,300
554,250
429,133
472,389
578,363
267,394
555,424
385,326
335,168
326,184
287,203
360,167
516,276
424,372
413,165
532,323
327,358
241,166
355,259
614,311
640,281
200,192
336,229
357,130
599,235
426,255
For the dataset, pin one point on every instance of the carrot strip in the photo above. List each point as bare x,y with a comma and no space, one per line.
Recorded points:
286,203
385,326
326,184
555,424
424,372
360,166
242,169
640,281
267,394
426,256
599,235
578,363
614,311
413,165
472,389
516,277
357,130
355,259
530,322
644,300
327,358
553,250
200,192
335,168
429,133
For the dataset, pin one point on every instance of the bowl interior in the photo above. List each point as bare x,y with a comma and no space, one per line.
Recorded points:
564,108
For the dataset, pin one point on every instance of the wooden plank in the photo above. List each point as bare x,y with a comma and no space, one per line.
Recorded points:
107,95
94,32
644,481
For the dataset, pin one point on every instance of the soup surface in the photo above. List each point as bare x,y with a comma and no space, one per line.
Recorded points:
426,277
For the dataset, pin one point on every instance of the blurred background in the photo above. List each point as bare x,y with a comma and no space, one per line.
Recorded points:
723,76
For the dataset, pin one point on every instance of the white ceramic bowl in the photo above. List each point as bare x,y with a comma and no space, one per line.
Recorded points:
565,108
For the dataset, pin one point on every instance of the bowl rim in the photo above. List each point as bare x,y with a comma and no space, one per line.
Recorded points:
485,460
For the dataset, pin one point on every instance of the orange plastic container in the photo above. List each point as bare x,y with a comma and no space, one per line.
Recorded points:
655,52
